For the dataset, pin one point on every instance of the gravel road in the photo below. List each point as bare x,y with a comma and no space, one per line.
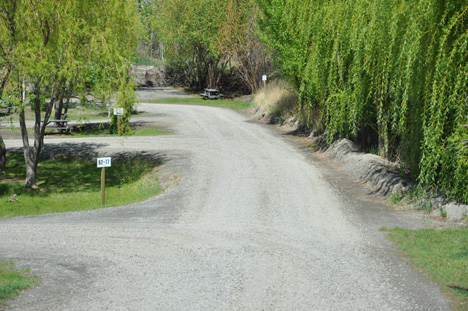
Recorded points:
253,225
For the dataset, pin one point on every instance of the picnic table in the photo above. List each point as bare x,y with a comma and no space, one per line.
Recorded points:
61,125
6,106
211,94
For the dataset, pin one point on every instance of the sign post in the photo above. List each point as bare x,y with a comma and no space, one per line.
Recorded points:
118,112
264,79
103,163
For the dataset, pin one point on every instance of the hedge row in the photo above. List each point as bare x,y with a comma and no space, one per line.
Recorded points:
391,73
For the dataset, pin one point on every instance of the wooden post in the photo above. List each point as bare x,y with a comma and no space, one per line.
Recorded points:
103,186
118,124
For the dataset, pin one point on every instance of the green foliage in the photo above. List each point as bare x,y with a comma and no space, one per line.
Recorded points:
12,281
205,40
58,46
391,73
68,42
396,197
443,212
287,27
126,98
187,30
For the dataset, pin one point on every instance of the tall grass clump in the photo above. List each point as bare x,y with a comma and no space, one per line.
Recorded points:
13,281
278,99
390,73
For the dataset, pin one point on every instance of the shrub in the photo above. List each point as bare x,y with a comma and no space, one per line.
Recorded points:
278,99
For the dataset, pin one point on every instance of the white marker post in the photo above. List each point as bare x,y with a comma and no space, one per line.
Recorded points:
103,163
118,112
264,79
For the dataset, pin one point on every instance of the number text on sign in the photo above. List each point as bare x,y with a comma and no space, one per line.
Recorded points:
104,162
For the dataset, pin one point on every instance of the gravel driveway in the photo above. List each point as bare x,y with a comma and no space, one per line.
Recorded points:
253,225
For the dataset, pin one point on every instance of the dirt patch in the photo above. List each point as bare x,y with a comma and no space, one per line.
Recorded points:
168,179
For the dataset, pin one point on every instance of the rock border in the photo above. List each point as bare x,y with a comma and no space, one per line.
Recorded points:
379,174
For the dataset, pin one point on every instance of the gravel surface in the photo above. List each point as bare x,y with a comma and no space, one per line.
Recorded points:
253,225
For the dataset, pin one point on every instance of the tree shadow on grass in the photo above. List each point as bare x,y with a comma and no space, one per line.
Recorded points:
72,167
78,150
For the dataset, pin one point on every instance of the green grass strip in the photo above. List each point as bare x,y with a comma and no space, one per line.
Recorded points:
68,184
13,281
102,132
222,103
442,254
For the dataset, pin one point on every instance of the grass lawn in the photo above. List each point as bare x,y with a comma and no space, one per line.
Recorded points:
442,254
13,281
97,133
66,184
75,113
223,103
136,132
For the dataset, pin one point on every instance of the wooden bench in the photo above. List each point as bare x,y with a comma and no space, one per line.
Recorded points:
61,125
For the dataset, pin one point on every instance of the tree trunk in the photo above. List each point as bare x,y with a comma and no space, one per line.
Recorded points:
4,80
60,114
383,139
2,155
66,106
31,154
58,109
31,168
30,181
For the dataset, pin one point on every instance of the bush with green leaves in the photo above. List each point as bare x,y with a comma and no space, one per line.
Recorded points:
207,41
50,48
392,73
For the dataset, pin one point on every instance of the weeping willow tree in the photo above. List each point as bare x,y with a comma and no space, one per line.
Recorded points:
391,73
51,45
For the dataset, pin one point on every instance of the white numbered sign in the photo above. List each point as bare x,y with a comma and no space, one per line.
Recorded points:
104,162
118,111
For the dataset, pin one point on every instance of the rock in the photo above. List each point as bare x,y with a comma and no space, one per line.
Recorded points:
379,174
148,76
13,199
382,177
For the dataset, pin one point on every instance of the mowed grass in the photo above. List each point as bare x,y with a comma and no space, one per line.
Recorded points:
102,132
442,254
13,281
68,183
75,113
222,103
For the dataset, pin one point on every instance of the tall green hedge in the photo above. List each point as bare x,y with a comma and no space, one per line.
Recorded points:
390,72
